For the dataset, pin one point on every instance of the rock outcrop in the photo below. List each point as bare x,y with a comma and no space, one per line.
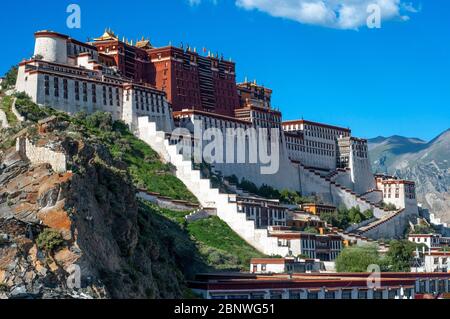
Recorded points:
107,244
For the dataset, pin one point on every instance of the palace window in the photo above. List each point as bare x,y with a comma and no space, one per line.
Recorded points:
77,90
47,85
94,94
65,90
56,86
104,95
110,96
85,98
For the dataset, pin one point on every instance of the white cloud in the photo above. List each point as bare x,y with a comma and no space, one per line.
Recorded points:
340,14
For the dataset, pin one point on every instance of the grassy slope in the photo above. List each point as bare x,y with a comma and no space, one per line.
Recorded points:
219,245
5,105
148,171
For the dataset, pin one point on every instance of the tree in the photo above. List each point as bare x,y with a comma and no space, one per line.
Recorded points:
10,78
400,255
368,214
357,259
49,240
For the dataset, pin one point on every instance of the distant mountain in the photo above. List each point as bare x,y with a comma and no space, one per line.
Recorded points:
427,163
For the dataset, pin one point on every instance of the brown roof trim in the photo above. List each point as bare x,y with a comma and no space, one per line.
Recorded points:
52,34
316,124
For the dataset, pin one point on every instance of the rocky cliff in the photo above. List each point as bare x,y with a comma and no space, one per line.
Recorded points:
82,233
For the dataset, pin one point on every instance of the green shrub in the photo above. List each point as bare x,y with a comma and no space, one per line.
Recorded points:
389,207
101,120
10,78
49,240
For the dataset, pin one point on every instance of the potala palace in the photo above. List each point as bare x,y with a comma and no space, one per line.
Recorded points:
159,91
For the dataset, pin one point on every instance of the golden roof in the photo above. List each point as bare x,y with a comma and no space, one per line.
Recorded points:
108,35
144,44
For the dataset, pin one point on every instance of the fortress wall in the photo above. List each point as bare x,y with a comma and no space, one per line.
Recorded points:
345,179
391,228
374,196
3,119
314,185
361,173
41,155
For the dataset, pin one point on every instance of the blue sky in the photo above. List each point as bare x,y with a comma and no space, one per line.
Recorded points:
393,80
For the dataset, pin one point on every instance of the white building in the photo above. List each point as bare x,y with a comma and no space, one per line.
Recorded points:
72,76
437,261
432,241
284,265
401,193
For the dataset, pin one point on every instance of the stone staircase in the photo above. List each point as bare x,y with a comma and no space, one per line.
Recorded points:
344,195
392,226
209,197
359,239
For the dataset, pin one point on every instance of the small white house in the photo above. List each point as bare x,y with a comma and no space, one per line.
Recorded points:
437,261
284,265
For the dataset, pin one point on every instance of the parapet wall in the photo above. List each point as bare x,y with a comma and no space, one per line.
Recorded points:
19,117
41,155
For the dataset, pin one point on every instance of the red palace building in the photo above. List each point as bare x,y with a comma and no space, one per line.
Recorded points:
190,80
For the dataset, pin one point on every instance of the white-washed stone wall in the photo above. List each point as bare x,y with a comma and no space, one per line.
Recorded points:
3,119
41,155
19,117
